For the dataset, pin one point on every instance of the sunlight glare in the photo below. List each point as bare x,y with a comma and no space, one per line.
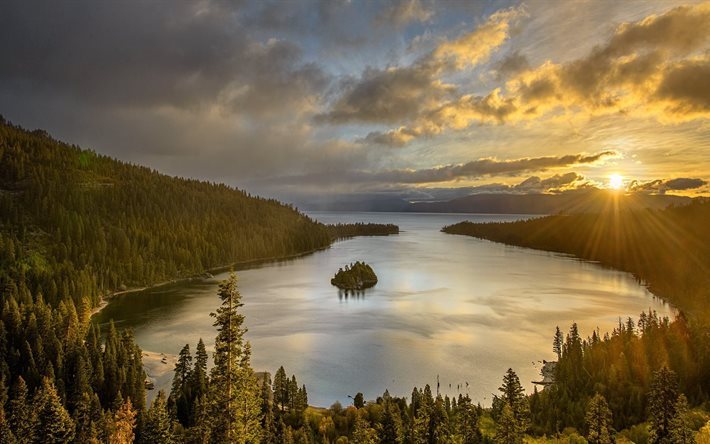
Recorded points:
616,182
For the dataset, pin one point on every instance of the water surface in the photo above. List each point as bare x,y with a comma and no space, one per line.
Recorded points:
454,306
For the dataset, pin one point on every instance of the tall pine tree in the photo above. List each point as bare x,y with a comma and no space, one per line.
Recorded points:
234,392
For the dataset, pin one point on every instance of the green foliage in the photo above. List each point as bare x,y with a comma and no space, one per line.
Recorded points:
355,276
599,423
662,405
668,249
508,429
343,231
158,427
234,393
53,422
75,224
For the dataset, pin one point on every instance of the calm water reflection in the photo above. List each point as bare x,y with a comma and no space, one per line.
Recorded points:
455,306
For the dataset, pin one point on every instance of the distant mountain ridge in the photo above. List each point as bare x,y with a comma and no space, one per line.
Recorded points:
580,201
585,201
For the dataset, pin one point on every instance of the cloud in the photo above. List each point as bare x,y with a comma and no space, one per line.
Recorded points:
404,12
655,67
455,172
662,186
556,182
137,55
511,64
401,93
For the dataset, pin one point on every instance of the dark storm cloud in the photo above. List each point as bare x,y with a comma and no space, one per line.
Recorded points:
141,54
469,170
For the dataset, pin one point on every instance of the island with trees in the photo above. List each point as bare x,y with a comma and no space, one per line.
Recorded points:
357,276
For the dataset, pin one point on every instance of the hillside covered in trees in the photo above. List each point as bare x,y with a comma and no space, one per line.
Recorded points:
76,224
669,250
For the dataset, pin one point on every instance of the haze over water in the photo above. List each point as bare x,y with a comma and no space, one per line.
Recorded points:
454,306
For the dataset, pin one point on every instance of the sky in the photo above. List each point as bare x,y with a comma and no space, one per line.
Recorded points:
420,99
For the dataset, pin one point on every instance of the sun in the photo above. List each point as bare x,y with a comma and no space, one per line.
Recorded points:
616,182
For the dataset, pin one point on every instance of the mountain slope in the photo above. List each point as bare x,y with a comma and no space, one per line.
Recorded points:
77,224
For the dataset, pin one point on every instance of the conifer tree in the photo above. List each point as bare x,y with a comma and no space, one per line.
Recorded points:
599,421
179,400
467,422
681,427
199,433
158,427
513,394
234,392
362,432
390,428
507,428
662,405
54,425
557,343
199,371
22,416
6,435
87,417
281,388
123,424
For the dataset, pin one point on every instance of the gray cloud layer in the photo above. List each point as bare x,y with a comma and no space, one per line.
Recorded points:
468,170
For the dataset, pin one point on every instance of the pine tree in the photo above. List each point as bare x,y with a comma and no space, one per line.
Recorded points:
389,428
123,424
662,404
199,433
6,435
513,394
180,396
199,371
281,388
87,416
681,431
268,425
599,421
234,392
557,343
22,417
507,428
53,422
362,432
467,422
158,427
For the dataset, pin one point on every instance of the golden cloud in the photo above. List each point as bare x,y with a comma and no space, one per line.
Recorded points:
657,67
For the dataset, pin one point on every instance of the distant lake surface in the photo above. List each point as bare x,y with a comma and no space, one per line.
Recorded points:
453,306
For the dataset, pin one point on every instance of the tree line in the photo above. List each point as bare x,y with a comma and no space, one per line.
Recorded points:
62,382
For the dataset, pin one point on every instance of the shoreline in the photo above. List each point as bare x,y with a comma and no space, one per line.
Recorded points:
207,274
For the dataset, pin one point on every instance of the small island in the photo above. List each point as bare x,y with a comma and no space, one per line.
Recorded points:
357,276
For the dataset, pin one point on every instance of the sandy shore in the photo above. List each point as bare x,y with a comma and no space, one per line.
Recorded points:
159,368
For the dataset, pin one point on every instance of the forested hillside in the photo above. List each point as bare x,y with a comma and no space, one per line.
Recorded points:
76,224
669,250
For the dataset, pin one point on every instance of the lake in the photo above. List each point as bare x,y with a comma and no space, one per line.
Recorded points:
461,308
